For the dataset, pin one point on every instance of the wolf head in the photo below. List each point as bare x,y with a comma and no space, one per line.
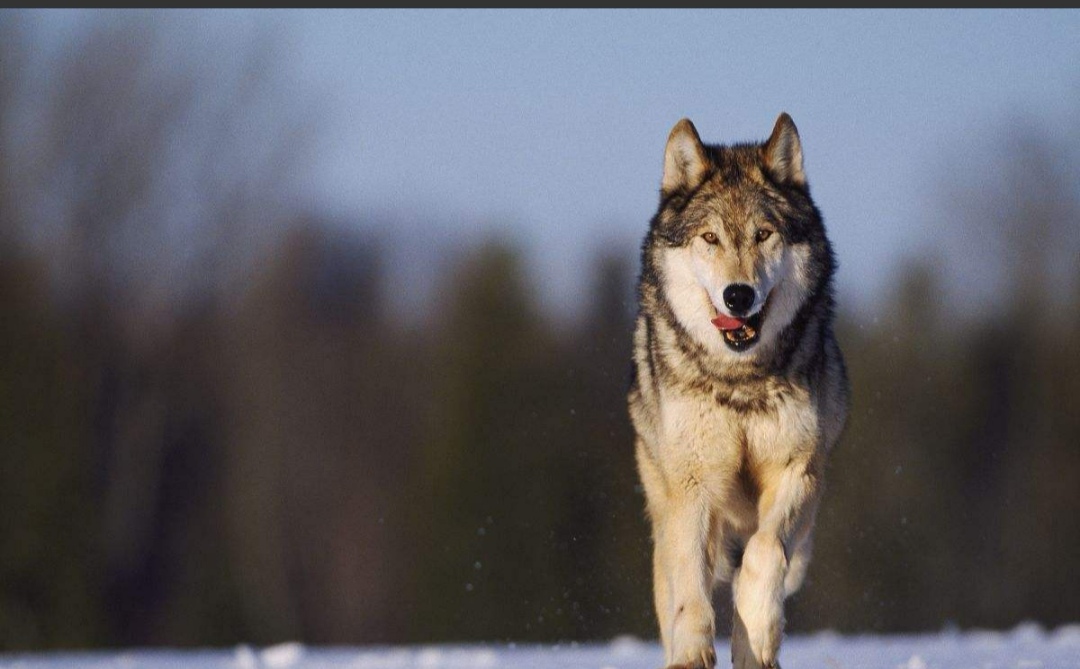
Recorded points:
737,250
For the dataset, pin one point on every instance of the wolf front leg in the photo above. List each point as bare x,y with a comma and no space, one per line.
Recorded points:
786,512
682,581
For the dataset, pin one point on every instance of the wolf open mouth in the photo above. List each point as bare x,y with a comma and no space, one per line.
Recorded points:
741,333
744,336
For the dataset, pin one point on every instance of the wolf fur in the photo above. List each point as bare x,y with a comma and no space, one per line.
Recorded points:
733,428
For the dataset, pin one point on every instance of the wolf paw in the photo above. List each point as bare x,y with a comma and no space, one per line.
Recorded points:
748,653
703,659
742,658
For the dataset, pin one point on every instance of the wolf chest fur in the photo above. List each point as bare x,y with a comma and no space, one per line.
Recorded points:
739,390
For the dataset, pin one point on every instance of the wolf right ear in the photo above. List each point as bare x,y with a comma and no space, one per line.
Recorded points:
685,162
783,152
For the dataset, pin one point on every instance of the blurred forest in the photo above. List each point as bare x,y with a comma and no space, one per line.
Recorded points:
213,430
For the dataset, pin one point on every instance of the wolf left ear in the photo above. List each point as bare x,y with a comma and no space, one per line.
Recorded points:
783,153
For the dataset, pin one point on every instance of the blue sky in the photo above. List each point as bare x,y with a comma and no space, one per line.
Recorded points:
549,125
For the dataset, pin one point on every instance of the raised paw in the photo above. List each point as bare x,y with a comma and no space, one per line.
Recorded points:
703,659
742,654
745,660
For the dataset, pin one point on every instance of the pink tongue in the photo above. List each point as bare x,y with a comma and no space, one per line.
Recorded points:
727,322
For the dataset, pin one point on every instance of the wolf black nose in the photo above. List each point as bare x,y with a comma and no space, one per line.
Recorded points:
739,297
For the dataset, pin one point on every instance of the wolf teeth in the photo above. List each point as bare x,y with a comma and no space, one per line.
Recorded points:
743,334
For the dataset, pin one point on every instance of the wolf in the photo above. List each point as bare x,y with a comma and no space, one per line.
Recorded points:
739,388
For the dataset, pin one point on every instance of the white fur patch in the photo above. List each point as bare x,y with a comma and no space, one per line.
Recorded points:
690,300
791,284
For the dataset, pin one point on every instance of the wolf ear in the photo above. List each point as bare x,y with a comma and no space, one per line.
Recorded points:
783,153
685,162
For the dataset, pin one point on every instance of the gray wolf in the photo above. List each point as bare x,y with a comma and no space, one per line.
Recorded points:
739,388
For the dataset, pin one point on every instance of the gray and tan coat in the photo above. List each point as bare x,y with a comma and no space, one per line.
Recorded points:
739,390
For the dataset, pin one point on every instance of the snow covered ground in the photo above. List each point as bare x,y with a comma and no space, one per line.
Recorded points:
1025,647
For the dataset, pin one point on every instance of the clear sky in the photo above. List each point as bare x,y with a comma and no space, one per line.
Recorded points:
550,124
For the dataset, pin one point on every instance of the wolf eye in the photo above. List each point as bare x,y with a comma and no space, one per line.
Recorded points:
711,238
762,235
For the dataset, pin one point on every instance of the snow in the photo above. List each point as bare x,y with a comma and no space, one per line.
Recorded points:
1027,646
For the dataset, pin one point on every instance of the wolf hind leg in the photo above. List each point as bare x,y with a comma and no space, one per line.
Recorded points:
797,566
